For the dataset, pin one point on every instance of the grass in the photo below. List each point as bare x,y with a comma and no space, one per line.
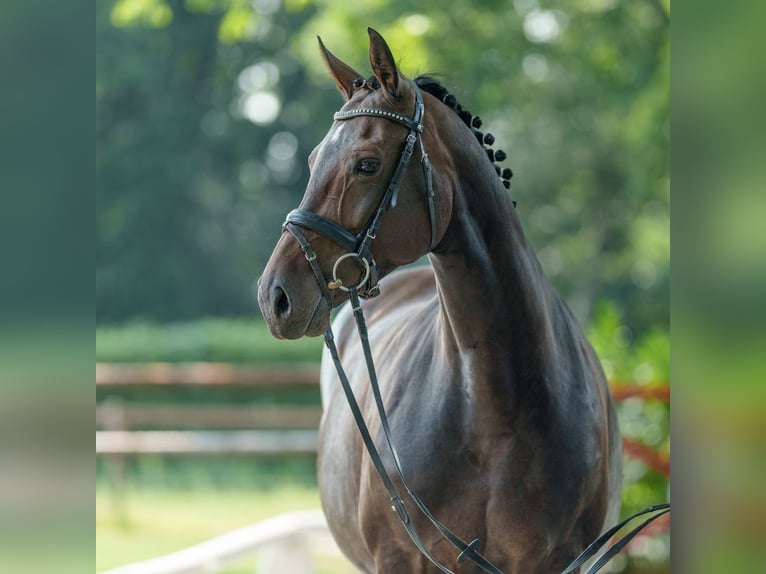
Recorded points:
157,522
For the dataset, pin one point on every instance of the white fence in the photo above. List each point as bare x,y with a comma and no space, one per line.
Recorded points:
286,544
262,442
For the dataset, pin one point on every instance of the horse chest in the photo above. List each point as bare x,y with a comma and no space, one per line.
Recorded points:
466,455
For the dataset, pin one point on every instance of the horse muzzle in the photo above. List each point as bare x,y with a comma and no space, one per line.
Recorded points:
291,314
291,302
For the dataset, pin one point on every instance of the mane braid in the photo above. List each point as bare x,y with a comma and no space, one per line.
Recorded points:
435,88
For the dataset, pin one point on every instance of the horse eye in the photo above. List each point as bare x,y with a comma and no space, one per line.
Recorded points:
367,167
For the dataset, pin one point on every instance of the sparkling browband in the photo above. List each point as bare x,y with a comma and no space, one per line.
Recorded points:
387,114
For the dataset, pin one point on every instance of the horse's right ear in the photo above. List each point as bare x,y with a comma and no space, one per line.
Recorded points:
383,65
343,74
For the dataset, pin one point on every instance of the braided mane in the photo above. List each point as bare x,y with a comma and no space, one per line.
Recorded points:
436,89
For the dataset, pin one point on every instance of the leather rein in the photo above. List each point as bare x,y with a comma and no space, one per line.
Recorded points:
357,247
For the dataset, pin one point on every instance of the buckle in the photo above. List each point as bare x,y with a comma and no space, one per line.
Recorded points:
337,283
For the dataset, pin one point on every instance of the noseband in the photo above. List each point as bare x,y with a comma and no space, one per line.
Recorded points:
357,246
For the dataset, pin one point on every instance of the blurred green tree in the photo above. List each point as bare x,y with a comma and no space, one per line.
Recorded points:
191,192
207,109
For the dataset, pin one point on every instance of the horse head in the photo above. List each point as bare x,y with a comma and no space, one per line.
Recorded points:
352,173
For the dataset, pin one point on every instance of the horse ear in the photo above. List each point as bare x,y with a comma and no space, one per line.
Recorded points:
382,62
343,74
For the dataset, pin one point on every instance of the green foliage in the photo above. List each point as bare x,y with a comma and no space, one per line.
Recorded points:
625,357
642,361
152,13
190,199
225,340
192,193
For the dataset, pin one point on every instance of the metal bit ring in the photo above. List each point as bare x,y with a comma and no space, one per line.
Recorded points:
336,281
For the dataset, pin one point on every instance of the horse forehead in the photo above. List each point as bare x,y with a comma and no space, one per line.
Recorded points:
333,141
335,132
345,134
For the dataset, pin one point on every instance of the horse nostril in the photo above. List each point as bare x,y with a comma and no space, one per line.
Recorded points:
281,303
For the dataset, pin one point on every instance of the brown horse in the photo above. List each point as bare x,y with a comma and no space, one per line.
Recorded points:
497,403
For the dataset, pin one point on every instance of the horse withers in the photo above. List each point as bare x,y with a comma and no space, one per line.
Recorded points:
496,402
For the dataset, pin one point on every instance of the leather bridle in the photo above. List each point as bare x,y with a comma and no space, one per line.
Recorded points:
357,247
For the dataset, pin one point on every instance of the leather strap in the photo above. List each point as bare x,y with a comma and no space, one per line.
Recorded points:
324,227
601,541
427,172
311,257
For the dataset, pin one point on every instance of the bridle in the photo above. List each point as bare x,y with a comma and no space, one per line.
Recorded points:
357,247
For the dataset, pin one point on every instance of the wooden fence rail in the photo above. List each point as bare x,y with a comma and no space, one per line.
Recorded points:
260,430
260,442
175,374
293,374
121,414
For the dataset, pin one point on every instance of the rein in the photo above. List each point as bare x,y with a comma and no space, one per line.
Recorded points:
357,246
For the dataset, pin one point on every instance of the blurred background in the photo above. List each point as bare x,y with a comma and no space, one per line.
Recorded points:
206,111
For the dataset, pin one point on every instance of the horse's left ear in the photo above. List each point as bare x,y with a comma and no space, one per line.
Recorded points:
343,74
382,62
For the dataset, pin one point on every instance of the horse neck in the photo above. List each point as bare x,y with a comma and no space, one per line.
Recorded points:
494,297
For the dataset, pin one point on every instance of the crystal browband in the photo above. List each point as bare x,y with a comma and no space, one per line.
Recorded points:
387,114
